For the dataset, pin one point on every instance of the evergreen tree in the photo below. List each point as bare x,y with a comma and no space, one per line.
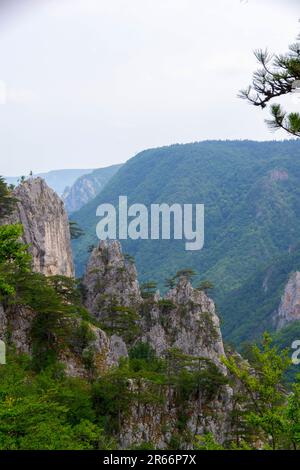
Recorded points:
7,201
263,400
278,76
75,230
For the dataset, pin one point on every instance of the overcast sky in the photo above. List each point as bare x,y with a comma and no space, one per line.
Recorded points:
89,83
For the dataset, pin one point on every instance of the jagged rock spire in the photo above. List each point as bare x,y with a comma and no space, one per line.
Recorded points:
46,227
110,279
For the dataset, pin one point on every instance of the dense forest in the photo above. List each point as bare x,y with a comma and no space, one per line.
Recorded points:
250,191
41,407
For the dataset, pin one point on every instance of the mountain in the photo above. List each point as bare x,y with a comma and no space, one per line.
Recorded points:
45,227
86,187
251,192
56,179
253,308
110,363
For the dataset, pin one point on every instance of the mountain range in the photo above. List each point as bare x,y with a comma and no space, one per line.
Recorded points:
250,191
86,187
58,180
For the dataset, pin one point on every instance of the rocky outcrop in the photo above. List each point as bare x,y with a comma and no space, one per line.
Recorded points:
46,231
105,352
165,424
46,227
15,327
186,320
278,175
87,187
289,308
110,280
183,322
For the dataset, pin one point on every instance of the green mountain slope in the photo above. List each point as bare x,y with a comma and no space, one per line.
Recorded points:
86,187
247,312
251,192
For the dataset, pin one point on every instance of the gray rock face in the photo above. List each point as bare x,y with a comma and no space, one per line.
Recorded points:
46,227
15,326
106,353
289,309
185,319
110,280
158,423
189,323
87,187
278,175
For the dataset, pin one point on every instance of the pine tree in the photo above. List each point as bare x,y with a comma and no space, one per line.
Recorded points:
278,76
7,201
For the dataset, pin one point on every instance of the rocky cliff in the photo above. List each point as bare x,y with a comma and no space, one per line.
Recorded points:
181,329
46,227
110,280
86,187
289,308
185,322
184,319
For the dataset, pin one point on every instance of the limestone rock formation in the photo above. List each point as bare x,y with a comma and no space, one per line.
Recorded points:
185,319
46,227
289,308
106,353
15,326
158,423
86,187
110,279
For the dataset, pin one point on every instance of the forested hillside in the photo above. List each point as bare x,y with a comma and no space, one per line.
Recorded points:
251,192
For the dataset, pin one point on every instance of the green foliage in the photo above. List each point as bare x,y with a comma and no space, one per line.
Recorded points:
112,399
279,75
142,351
186,272
264,399
13,259
248,311
166,305
45,411
55,300
292,416
148,289
75,230
122,321
205,286
243,240
170,283
7,201
128,258
207,442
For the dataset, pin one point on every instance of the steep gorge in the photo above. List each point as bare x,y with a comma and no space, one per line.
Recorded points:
181,328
